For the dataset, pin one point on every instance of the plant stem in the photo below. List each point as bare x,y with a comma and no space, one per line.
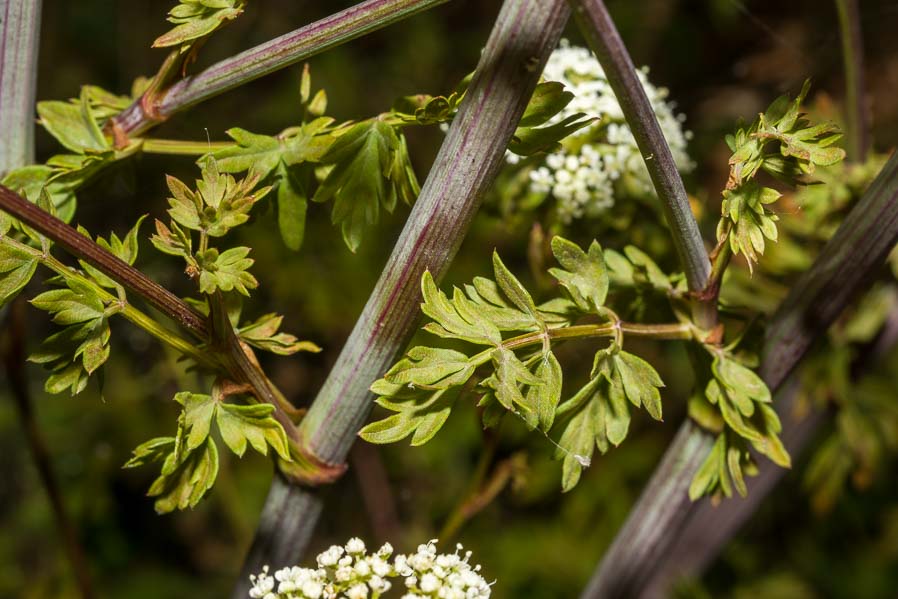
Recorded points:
524,35
234,357
20,22
128,311
19,45
585,331
181,147
123,273
354,22
241,366
856,114
843,269
606,43
710,527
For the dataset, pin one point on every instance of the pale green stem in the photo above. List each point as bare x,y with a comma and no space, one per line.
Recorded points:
127,310
181,148
590,331
856,113
20,22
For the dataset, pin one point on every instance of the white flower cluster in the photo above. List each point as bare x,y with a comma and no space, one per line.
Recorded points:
349,572
585,173
444,576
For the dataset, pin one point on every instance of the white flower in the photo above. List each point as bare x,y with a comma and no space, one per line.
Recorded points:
583,175
330,557
351,573
355,546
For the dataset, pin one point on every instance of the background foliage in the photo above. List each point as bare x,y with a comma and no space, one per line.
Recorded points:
722,60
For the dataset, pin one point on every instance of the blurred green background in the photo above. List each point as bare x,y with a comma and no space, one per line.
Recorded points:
721,59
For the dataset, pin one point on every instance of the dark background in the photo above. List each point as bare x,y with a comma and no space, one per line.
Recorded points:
721,59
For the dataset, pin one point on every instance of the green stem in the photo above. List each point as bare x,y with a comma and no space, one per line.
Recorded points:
181,147
588,331
20,23
105,261
856,114
127,310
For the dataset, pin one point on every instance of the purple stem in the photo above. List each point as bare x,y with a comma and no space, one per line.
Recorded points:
524,35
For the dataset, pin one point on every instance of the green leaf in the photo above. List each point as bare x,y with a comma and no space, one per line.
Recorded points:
73,125
174,241
30,181
79,349
186,206
423,109
545,397
449,317
513,289
739,379
549,98
708,475
199,410
510,375
579,440
528,141
419,413
226,271
263,334
640,382
585,277
431,368
124,249
292,206
253,424
260,153
152,451
71,305
17,266
371,170
195,19
488,304
189,481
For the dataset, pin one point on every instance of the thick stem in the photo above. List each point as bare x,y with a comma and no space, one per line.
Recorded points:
844,268
525,33
123,273
605,41
709,527
20,22
19,44
856,114
354,22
